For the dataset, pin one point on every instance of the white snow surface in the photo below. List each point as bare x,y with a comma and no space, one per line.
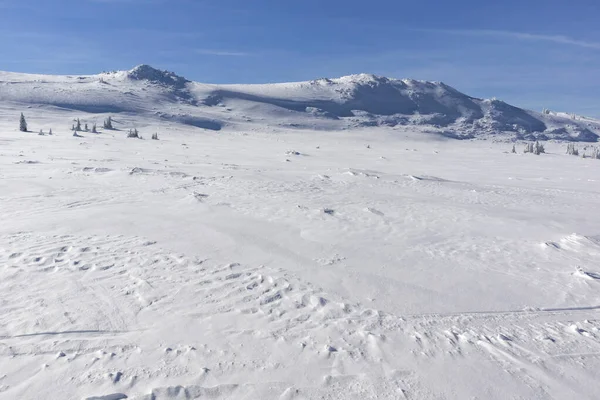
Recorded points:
264,261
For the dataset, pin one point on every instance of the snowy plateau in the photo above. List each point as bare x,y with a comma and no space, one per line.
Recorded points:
351,238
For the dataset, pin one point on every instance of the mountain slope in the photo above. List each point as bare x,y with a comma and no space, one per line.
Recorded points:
350,101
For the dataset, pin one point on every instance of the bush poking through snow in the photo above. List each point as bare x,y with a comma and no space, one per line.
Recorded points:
22,124
514,149
155,136
572,150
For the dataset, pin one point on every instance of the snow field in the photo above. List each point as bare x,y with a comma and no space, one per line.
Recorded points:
273,263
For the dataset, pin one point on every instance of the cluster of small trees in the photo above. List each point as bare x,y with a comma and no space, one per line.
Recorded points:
133,133
574,151
535,148
107,124
76,127
23,126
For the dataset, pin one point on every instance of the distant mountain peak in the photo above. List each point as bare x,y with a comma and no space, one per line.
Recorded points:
151,74
364,78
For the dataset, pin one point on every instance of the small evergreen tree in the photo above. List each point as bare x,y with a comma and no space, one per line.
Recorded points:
94,130
41,132
108,123
514,150
155,136
538,148
50,132
86,128
22,124
78,125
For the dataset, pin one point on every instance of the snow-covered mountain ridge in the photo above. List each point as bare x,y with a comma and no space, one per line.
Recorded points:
325,104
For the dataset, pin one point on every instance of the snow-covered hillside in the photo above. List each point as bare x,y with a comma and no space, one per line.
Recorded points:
323,104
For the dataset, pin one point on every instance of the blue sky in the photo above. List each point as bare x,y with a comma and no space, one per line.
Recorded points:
529,53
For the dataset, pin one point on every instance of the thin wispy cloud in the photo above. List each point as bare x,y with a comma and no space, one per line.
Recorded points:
161,33
222,53
558,39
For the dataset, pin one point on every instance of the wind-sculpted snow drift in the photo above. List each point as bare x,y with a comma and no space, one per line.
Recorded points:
324,104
